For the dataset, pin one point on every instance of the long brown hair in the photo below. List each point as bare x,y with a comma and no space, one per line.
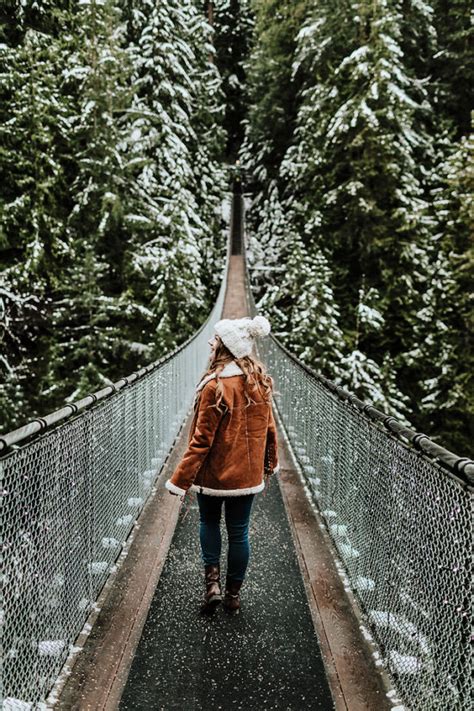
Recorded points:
255,375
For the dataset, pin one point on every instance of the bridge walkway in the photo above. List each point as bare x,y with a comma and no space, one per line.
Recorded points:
267,657
295,645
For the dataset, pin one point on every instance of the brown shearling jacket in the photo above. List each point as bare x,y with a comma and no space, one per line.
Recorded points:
229,449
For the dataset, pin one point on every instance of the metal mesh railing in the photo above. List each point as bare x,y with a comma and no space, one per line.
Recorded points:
70,499
402,527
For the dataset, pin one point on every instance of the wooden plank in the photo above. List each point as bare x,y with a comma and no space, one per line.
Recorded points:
94,679
356,683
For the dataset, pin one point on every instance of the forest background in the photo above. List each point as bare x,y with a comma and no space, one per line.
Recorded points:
120,123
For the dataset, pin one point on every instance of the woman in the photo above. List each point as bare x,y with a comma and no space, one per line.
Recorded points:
232,451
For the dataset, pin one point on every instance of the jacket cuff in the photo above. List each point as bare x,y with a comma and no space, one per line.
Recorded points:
272,470
175,489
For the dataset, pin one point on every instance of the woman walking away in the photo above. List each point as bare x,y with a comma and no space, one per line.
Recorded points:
232,452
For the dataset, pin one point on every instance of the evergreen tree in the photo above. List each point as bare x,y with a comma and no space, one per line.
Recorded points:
268,240
211,177
355,182
373,381
233,23
358,163
445,329
453,63
179,184
313,329
112,236
269,128
88,321
362,116
272,90
34,136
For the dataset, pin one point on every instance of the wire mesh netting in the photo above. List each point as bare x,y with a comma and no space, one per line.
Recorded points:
70,499
402,527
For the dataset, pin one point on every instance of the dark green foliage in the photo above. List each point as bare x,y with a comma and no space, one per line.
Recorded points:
34,161
453,64
354,120
273,91
445,336
350,151
111,237
233,23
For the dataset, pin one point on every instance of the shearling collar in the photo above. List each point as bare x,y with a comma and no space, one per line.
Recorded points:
227,371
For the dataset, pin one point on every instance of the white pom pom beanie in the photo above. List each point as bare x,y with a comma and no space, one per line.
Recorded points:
238,334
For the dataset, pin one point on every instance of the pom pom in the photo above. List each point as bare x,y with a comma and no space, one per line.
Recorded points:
259,326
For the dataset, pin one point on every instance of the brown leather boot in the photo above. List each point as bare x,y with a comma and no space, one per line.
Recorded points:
231,600
213,595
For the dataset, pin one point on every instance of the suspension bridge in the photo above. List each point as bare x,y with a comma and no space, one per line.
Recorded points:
358,591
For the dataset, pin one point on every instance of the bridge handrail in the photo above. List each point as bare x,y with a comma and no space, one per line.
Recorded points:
462,467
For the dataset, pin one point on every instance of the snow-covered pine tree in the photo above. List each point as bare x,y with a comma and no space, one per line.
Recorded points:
445,327
233,23
208,149
355,169
269,129
122,233
313,329
353,174
88,319
174,211
296,286
375,382
49,17
453,63
443,332
34,135
267,241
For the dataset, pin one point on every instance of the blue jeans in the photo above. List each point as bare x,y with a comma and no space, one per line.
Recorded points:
237,516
